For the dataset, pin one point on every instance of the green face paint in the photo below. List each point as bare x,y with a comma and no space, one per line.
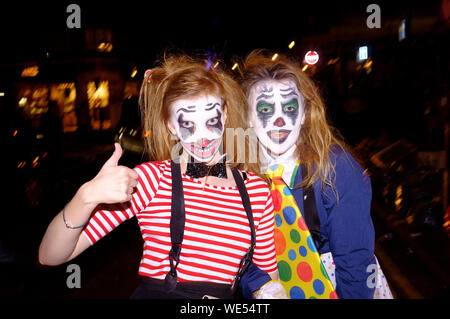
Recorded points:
263,107
291,106
265,111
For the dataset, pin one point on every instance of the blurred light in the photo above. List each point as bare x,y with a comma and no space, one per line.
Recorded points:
311,57
35,164
305,67
104,47
234,66
368,64
133,73
362,53
15,133
36,159
23,101
216,65
45,154
30,71
333,61
2,93
146,134
39,136
291,45
275,56
21,164
402,30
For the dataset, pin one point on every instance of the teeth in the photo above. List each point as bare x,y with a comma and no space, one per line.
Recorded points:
206,149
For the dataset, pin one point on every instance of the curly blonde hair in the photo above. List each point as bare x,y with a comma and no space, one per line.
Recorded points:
317,136
184,76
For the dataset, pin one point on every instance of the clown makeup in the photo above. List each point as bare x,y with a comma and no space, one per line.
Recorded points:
199,123
277,114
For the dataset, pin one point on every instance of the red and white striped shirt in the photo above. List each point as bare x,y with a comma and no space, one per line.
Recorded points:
216,234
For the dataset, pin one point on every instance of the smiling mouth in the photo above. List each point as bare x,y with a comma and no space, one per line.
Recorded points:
278,136
204,152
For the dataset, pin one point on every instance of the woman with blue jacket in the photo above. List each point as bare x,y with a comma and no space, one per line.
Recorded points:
289,119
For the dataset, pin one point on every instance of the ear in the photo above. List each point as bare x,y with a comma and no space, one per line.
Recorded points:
225,113
171,128
303,119
250,123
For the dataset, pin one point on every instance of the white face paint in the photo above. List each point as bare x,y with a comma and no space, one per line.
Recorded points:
199,123
277,114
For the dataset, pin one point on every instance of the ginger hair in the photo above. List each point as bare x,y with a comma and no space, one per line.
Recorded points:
184,76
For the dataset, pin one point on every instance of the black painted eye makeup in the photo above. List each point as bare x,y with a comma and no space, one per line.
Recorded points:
215,123
187,128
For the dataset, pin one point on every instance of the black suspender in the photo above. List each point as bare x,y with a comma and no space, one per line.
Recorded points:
310,213
177,221
246,260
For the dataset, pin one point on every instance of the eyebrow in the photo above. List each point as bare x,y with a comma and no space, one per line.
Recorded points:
264,96
210,108
289,91
288,95
185,110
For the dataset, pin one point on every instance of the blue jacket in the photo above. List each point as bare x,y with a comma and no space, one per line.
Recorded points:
345,226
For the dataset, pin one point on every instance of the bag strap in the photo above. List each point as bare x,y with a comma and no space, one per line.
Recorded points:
177,221
247,258
310,212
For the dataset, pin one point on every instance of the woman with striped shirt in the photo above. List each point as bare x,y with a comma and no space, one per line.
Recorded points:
186,107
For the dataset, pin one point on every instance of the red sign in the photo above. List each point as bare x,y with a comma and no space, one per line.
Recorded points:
311,57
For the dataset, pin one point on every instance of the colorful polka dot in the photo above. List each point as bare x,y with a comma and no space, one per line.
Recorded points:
333,295
292,254
301,224
289,214
304,271
287,191
297,293
284,271
280,242
274,167
295,236
277,199
278,220
318,286
311,245
278,181
303,251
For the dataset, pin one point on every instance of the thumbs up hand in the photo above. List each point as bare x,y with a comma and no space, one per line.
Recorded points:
113,183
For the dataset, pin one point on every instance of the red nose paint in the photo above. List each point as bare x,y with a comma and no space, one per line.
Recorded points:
279,122
205,142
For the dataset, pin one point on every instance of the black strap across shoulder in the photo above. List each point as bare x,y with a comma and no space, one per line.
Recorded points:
177,221
310,213
246,260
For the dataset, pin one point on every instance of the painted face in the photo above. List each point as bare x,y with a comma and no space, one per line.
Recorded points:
199,123
277,114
